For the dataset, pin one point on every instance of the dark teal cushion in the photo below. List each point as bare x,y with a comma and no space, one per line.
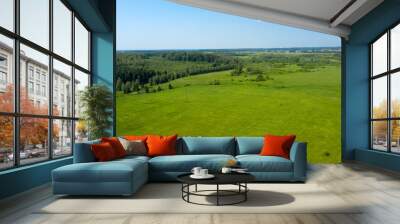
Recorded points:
257,163
249,145
208,145
111,171
83,152
185,163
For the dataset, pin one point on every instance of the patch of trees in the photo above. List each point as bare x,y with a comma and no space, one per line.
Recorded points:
306,61
215,82
137,70
238,68
197,57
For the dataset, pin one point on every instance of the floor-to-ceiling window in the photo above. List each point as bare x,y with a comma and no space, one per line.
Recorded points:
385,91
44,65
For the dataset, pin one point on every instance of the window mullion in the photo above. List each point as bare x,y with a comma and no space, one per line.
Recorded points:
50,81
73,82
371,141
389,106
16,84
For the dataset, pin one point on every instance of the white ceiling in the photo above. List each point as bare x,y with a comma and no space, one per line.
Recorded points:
324,16
321,9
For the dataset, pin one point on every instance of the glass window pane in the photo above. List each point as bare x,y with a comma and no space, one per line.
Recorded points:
81,82
33,140
379,55
379,97
34,96
6,74
81,45
62,89
379,135
395,47
395,94
7,14
62,29
6,142
395,136
62,138
35,21
81,131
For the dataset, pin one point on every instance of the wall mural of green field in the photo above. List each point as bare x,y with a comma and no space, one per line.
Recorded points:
248,92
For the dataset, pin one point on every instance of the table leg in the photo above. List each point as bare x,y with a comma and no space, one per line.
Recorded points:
217,194
188,190
195,188
182,190
245,193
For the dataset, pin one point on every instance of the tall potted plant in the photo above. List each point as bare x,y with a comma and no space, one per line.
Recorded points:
96,104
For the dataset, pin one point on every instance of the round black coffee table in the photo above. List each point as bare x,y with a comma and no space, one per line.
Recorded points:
238,179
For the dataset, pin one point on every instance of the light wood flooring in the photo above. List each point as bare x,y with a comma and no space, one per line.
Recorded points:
378,189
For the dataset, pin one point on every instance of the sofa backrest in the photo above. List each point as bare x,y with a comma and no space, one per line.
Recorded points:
192,146
83,152
249,145
206,145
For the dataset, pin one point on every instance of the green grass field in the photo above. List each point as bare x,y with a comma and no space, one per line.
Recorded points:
303,103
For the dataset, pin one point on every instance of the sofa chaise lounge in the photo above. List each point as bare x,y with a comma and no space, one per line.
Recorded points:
125,176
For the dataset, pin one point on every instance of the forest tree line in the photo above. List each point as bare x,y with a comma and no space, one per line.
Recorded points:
137,70
146,70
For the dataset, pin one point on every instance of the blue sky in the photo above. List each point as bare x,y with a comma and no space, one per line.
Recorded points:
159,24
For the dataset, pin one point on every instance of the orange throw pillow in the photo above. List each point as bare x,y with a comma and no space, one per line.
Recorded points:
161,145
103,152
136,138
277,145
116,145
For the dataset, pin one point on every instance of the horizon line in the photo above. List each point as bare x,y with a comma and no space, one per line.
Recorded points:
250,48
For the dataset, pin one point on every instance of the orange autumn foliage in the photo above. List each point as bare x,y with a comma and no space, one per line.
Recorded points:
380,111
34,130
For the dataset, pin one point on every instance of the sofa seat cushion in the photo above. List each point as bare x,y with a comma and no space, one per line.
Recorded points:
185,163
112,171
257,163
133,157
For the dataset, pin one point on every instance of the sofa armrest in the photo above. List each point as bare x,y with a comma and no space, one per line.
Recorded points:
298,155
83,152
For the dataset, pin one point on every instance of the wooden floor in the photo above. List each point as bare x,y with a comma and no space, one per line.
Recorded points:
379,189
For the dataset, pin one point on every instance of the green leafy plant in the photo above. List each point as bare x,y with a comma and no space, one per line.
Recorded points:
96,102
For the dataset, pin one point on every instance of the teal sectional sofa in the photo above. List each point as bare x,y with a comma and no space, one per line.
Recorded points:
125,176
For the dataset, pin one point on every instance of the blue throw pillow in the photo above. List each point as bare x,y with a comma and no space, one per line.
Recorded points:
249,145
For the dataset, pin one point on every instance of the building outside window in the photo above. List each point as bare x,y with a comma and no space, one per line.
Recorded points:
30,87
34,75
55,96
43,90
38,89
3,78
44,77
3,72
3,61
30,72
37,75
